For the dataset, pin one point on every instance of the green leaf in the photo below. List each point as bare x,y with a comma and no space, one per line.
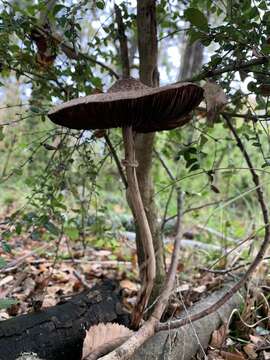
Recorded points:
100,5
18,171
251,86
6,303
263,5
2,262
1,134
71,232
266,49
52,228
203,140
196,18
35,109
57,8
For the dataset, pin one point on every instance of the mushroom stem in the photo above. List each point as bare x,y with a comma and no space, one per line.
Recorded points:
134,196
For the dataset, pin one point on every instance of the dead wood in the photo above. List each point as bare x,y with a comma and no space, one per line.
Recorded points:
185,342
57,333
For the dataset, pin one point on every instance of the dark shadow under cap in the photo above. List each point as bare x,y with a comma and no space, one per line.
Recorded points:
131,103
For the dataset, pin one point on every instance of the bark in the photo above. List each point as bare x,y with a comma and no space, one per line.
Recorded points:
148,52
123,42
58,332
192,59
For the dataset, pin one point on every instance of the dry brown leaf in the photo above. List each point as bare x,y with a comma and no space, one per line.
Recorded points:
200,289
249,349
101,334
215,99
182,288
6,280
257,340
266,355
49,301
129,285
214,355
219,337
232,356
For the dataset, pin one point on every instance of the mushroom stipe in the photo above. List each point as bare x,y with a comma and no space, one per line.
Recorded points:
136,108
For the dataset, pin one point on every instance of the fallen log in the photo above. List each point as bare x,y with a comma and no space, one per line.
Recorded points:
185,342
57,333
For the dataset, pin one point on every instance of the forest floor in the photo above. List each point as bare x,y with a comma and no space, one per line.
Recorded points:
35,275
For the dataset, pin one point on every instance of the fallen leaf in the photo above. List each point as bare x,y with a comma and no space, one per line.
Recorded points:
184,287
232,356
214,355
200,289
249,349
266,355
257,340
219,337
129,285
6,280
101,334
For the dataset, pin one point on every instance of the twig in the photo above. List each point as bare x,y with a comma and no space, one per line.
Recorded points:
71,53
164,219
217,233
168,171
14,264
123,42
223,271
260,255
177,188
116,159
195,208
81,279
234,66
232,114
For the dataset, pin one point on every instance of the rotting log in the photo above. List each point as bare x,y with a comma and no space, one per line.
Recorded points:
185,342
57,333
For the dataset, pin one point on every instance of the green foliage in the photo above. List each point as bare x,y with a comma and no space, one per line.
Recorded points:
196,18
59,181
6,303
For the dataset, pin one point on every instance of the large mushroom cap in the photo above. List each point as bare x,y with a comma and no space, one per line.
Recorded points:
131,103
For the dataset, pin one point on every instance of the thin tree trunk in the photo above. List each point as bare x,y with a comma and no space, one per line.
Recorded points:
148,52
191,64
191,60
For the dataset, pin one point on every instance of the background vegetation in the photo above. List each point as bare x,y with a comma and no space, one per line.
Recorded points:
56,181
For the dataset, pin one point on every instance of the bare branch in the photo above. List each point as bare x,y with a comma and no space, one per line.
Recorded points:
116,159
260,255
123,42
234,66
71,53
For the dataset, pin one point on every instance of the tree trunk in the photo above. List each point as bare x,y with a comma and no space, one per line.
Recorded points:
191,61
191,64
57,333
148,52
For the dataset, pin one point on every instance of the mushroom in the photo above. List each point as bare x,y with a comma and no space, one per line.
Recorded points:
134,107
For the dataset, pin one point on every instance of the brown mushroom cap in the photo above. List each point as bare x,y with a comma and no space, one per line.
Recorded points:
131,103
